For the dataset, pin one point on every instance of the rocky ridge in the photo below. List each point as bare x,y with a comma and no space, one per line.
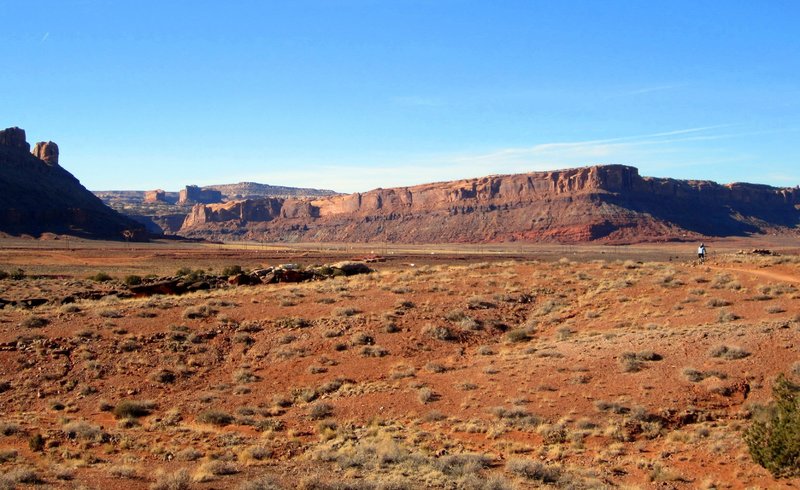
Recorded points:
610,203
37,195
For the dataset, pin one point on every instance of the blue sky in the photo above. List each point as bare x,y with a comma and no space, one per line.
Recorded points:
357,94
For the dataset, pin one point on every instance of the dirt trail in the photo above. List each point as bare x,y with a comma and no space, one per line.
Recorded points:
768,274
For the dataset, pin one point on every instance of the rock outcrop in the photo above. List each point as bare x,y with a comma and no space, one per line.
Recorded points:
610,203
37,196
46,151
254,190
193,194
14,138
158,195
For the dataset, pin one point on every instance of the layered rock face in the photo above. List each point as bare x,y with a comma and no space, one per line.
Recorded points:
37,195
193,194
609,203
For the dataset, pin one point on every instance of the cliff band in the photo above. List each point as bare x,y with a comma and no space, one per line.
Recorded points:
610,203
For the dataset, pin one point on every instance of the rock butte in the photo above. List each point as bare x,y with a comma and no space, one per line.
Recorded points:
37,195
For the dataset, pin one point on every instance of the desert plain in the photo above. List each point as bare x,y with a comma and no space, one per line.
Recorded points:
502,366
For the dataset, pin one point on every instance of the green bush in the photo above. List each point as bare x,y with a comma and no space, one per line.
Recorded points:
232,270
774,437
188,274
100,277
17,274
133,280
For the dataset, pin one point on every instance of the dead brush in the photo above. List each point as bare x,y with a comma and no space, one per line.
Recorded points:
199,311
439,332
633,362
728,353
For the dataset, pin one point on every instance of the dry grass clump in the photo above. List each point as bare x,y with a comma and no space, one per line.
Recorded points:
361,338
534,470
479,303
163,376
456,465
124,471
519,335
200,311
427,395
401,371
728,353
109,313
130,409
9,428
245,376
725,316
83,430
34,321
435,367
320,411
262,483
373,351
179,480
695,375
7,455
439,332
517,417
215,467
345,311
215,417
22,475
717,303
633,362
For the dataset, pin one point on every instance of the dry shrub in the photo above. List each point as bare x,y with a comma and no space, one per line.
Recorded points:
426,395
133,409
263,483
215,417
201,311
320,411
439,332
83,430
728,353
34,321
725,316
124,471
633,362
519,335
179,480
695,376
534,470
373,351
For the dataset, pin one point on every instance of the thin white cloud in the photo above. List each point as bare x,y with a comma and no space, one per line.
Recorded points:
45,37
656,88
661,153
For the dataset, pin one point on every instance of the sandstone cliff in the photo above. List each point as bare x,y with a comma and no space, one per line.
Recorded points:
192,194
37,195
607,203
